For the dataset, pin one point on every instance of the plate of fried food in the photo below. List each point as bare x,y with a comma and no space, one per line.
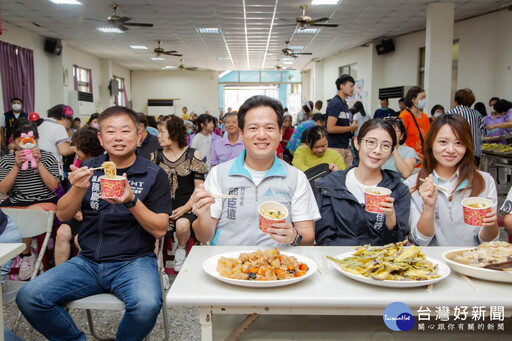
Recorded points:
260,268
491,261
392,265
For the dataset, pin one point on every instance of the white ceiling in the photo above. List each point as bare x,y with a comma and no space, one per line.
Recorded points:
175,23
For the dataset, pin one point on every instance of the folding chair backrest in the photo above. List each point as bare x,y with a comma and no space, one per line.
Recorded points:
31,223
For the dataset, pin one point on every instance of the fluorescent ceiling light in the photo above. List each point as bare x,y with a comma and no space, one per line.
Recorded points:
209,30
296,47
66,2
109,30
223,58
325,2
307,30
288,63
139,47
157,58
287,58
170,67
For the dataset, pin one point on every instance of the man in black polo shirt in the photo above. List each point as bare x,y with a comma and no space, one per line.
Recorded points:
339,119
8,120
117,239
148,143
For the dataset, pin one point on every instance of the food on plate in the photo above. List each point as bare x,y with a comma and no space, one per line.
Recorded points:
392,262
109,168
261,265
502,148
484,255
273,214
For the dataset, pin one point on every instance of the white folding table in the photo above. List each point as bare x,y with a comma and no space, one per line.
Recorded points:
7,252
322,294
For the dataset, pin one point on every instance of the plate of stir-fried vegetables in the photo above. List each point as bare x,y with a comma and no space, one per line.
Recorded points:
391,265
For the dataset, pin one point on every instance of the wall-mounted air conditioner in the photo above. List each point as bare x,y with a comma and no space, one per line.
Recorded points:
394,91
82,103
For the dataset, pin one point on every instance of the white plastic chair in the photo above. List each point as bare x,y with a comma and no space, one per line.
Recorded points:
31,223
108,301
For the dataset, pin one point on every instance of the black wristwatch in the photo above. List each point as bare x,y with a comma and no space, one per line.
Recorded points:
131,203
298,239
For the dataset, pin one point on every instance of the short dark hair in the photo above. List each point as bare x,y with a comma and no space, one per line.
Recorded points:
143,119
319,104
411,94
384,99
86,140
401,100
24,126
435,108
374,124
318,117
151,121
204,119
493,99
92,117
502,106
260,101
343,79
314,134
480,107
464,97
77,119
56,112
397,122
16,99
116,111
175,128
308,107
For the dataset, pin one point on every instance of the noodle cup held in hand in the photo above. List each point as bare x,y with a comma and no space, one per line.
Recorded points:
475,210
112,188
373,196
271,212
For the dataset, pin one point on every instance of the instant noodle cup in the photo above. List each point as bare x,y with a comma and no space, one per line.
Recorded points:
373,196
271,212
112,188
475,209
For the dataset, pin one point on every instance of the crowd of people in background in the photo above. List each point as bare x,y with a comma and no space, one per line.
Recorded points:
318,163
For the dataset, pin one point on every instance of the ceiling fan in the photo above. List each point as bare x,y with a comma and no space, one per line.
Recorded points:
159,50
183,67
120,22
303,21
291,53
279,67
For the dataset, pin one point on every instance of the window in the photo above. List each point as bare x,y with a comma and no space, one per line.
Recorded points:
350,69
421,71
83,79
119,99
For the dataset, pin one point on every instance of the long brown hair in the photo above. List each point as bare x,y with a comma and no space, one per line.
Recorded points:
467,167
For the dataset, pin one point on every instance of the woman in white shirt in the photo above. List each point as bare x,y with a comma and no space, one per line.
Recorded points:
436,217
202,141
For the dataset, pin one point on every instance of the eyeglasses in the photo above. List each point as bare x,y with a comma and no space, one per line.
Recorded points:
372,144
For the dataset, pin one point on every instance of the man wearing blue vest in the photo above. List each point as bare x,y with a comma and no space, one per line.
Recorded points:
117,239
8,120
254,177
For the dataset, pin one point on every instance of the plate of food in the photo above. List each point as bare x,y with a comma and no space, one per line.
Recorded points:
260,268
475,261
391,265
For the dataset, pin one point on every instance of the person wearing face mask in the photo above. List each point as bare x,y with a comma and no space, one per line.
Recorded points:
463,100
384,110
436,111
341,199
416,122
9,119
